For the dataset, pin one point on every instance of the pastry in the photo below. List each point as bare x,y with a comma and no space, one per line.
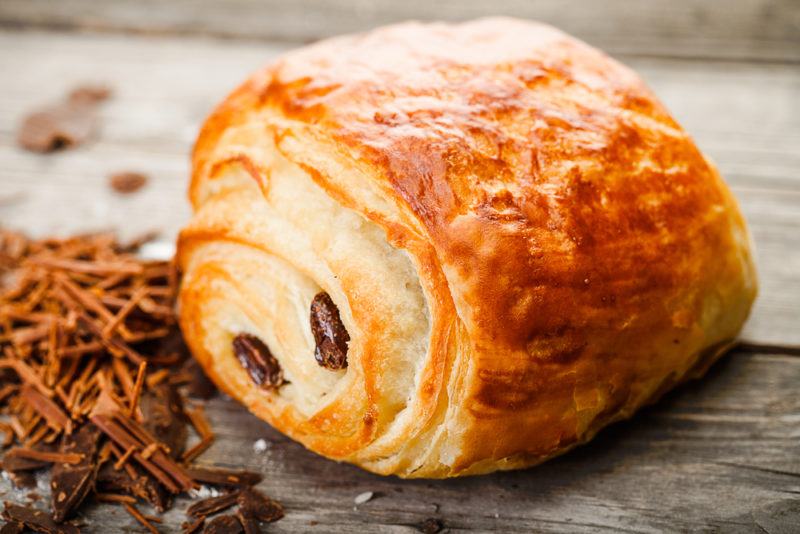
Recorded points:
437,250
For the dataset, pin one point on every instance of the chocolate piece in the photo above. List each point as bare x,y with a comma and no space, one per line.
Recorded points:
71,483
330,334
36,520
249,523
111,480
194,526
224,524
254,504
212,505
258,361
127,182
12,527
162,409
223,477
59,126
13,463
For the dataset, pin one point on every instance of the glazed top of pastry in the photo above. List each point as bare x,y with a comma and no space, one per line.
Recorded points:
552,184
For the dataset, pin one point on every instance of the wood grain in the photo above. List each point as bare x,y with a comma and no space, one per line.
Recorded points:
733,29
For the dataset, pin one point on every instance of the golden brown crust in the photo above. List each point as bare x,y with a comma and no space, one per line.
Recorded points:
578,253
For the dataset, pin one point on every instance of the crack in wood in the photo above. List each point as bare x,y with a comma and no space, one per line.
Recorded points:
767,348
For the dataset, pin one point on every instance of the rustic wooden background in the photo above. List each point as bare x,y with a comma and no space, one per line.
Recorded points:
721,454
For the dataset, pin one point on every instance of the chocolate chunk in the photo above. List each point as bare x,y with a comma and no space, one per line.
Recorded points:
224,524
36,520
12,527
255,357
223,477
71,483
254,504
113,481
23,479
127,182
249,523
162,409
194,526
212,505
13,463
330,334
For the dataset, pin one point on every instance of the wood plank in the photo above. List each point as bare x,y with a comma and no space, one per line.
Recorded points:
162,97
755,29
721,454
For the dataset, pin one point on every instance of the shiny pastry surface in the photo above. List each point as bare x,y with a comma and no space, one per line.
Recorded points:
518,242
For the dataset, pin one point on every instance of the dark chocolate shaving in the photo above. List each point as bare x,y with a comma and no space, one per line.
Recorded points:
212,505
71,483
190,527
36,520
258,361
254,504
145,488
224,524
330,335
162,409
223,477
12,527
249,523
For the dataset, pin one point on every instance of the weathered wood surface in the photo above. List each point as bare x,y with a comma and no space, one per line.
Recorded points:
734,29
722,454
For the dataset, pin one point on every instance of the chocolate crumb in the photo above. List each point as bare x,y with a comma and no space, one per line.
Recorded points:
127,182
90,93
431,526
330,335
224,524
258,361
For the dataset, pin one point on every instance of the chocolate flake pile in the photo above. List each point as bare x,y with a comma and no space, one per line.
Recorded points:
92,376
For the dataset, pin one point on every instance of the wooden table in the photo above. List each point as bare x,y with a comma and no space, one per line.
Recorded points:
721,454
